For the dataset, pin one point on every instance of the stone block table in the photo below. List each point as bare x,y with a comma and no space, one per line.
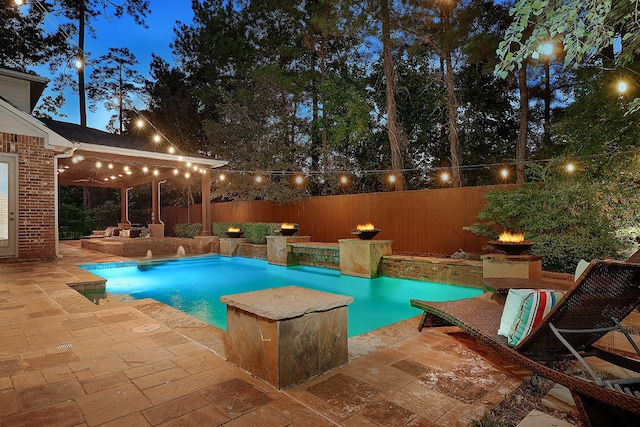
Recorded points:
278,250
520,266
362,258
229,245
287,335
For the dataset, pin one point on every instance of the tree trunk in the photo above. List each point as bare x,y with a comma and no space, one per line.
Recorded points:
81,89
452,104
396,135
521,145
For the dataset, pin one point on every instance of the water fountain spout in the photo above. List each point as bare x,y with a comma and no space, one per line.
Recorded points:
180,251
149,253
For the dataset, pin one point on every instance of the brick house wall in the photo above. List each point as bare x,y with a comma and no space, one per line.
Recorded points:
36,195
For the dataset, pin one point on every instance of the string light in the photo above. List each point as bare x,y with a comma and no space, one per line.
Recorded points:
145,169
444,176
504,173
222,177
156,138
392,179
110,165
343,180
299,180
622,86
258,179
570,167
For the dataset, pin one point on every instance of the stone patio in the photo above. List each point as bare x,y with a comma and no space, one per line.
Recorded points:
65,361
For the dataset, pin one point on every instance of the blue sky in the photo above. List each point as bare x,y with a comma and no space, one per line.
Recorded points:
120,33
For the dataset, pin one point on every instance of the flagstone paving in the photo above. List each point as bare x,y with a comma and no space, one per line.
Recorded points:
65,361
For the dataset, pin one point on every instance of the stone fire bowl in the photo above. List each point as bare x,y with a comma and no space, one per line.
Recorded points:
288,231
512,248
234,234
365,234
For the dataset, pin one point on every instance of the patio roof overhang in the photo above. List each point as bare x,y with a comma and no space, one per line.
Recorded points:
100,159
98,166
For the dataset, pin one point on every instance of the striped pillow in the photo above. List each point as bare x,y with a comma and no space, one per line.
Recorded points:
533,309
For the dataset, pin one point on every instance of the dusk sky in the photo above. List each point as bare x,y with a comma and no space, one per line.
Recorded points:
120,33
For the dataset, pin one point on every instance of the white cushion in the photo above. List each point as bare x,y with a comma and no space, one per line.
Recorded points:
511,307
582,265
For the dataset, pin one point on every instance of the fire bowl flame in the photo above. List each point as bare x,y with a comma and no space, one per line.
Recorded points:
512,248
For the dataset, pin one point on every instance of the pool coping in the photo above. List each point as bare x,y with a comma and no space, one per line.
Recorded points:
198,330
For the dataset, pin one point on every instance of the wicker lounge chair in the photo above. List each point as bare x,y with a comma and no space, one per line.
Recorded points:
604,294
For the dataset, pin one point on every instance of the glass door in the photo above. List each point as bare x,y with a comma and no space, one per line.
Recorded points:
8,205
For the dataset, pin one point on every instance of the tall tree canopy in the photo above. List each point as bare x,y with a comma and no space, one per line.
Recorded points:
23,40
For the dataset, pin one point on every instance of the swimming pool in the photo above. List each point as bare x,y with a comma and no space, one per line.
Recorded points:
195,285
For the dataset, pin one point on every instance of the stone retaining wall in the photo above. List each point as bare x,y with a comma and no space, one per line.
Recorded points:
440,270
250,250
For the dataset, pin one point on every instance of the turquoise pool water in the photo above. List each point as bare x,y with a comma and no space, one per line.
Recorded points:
195,285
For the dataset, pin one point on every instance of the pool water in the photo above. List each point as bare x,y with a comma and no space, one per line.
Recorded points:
195,285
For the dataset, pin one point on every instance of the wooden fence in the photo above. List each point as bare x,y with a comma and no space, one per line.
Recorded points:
423,221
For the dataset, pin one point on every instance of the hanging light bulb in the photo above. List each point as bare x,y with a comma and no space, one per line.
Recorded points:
222,177
622,86
140,123
299,179
504,173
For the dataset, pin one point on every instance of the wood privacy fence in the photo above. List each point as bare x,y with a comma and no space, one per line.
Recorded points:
423,221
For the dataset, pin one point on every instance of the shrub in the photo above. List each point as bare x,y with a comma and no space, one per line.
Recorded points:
257,232
187,230
219,228
565,218
254,232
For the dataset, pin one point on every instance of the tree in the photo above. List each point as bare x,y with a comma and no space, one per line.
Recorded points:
585,29
23,40
397,137
114,83
80,14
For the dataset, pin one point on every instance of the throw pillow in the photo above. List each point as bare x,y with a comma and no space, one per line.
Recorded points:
532,310
511,307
